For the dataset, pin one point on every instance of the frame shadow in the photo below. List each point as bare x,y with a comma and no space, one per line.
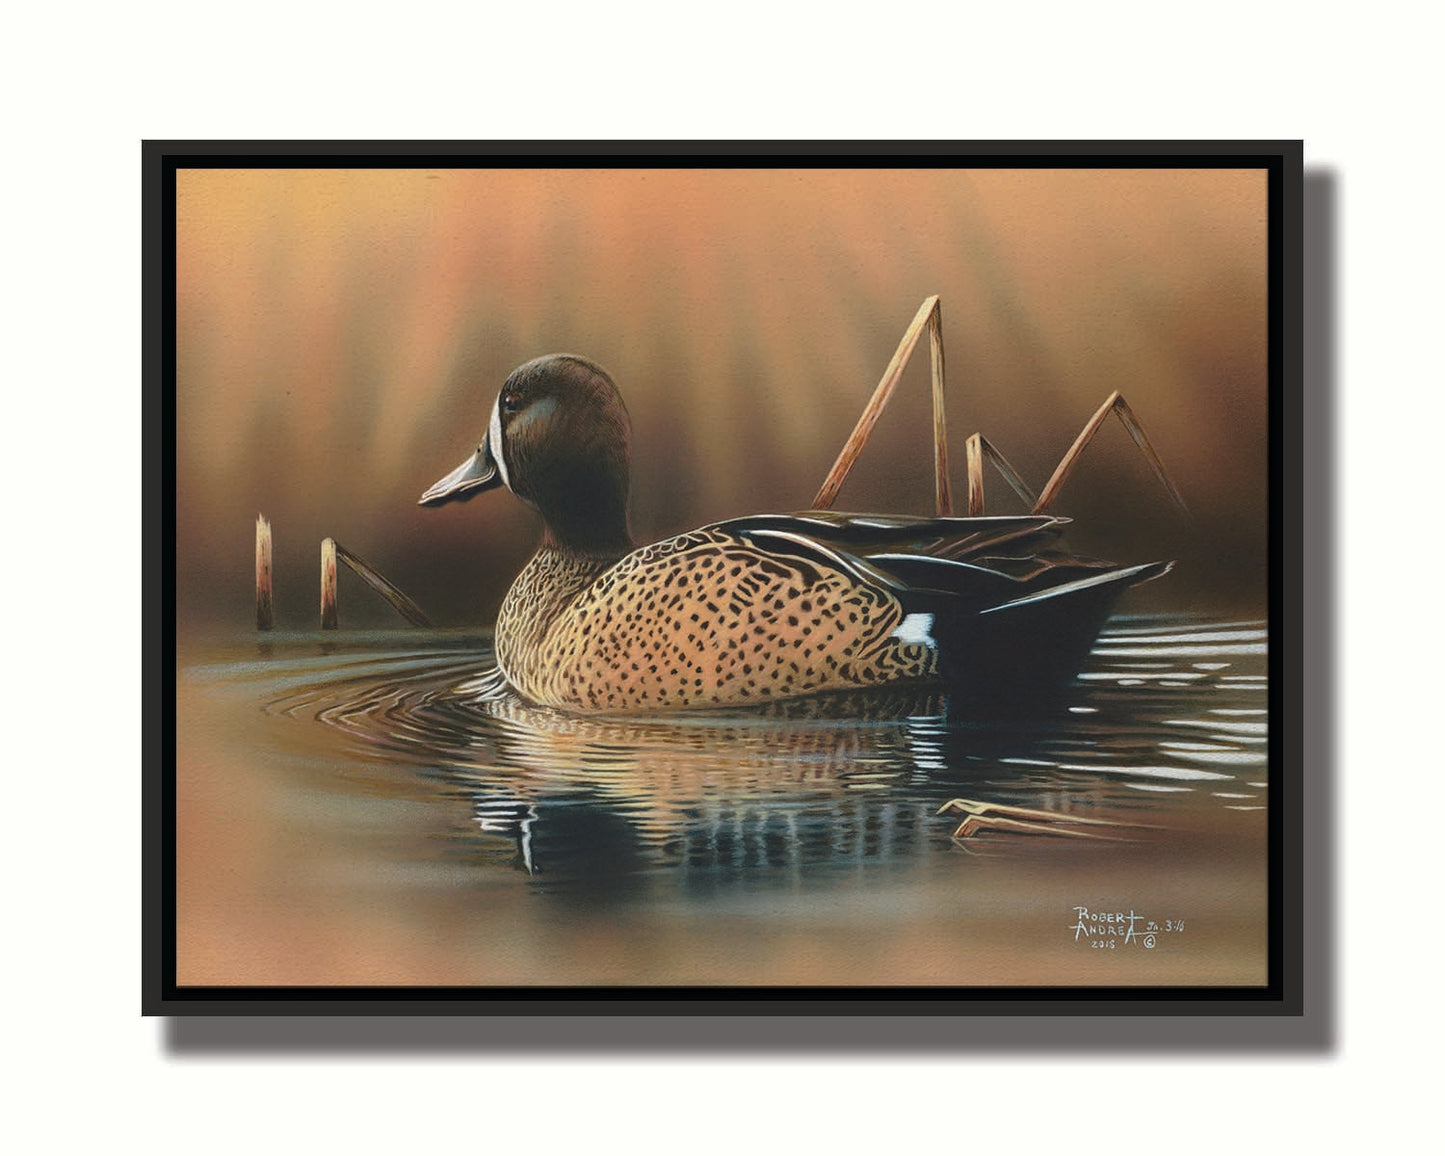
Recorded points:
1314,1032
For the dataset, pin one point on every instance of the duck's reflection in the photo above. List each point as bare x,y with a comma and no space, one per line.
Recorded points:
594,805
1167,719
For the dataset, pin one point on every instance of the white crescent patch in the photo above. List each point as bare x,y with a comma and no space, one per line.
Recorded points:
917,628
494,441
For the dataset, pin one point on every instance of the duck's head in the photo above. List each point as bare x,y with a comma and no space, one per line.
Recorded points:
559,437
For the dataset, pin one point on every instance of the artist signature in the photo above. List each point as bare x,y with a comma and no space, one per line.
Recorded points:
1110,930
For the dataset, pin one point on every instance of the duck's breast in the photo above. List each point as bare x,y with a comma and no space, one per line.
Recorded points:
548,586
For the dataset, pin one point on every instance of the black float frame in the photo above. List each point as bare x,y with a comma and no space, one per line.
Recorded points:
1282,995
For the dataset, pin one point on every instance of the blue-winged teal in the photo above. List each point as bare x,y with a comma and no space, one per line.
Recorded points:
761,608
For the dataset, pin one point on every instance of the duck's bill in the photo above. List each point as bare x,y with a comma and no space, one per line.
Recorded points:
477,473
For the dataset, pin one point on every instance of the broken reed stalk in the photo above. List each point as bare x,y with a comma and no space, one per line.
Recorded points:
1114,404
1027,820
928,314
942,497
368,574
980,449
328,584
264,619
973,451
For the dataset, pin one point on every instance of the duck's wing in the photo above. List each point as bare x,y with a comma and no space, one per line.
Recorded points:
987,561
868,534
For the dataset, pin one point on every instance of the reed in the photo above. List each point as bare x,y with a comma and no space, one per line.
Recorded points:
328,584
942,495
1114,404
981,450
332,552
264,617
929,315
373,578
973,453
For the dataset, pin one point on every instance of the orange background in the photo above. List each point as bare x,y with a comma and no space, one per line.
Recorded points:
342,333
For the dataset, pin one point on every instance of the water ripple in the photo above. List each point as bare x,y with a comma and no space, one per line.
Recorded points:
818,783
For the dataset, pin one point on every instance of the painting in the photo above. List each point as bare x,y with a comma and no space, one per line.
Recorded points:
684,574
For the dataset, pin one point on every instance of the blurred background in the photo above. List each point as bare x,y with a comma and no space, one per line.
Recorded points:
341,335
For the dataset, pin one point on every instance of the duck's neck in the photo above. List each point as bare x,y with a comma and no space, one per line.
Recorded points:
584,542
586,516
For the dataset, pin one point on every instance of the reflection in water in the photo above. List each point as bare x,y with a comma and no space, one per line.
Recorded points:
372,809
1165,730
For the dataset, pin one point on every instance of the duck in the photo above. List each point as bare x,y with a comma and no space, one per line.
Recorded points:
762,608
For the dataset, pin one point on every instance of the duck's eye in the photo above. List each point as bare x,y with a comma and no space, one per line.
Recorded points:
511,403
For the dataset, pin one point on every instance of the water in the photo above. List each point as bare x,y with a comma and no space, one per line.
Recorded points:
373,809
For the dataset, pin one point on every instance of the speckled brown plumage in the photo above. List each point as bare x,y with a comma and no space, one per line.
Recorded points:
701,620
